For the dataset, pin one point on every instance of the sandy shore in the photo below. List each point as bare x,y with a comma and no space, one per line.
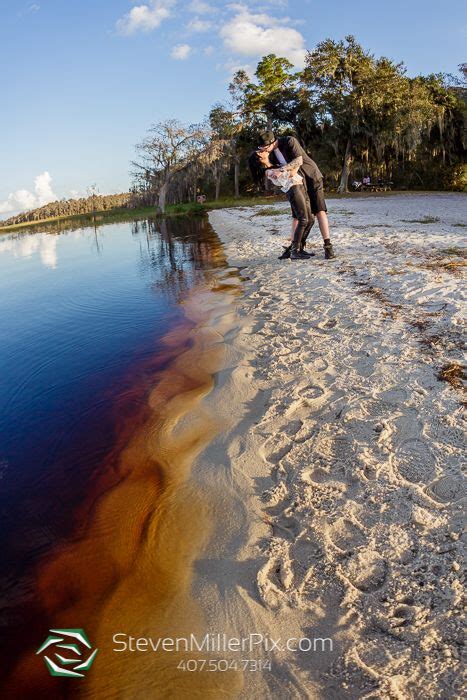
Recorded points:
338,489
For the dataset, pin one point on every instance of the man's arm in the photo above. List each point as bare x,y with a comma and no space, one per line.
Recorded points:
294,164
296,151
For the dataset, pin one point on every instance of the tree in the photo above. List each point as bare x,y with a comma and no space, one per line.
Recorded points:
355,92
167,149
272,99
226,126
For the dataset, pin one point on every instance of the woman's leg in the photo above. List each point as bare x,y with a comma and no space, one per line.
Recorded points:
287,248
311,221
298,200
288,240
294,226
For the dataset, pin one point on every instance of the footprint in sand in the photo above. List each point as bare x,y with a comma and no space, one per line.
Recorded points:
319,475
275,448
305,551
286,526
373,408
293,427
367,571
345,535
310,393
399,546
326,325
339,447
273,579
316,476
394,396
364,363
319,364
283,521
414,461
306,555
447,489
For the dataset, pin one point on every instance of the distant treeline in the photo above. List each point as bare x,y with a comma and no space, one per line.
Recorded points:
356,114
73,207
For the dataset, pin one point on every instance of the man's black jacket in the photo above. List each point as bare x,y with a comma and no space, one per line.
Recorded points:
291,149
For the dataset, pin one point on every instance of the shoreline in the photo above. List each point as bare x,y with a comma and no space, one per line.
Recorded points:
100,218
342,458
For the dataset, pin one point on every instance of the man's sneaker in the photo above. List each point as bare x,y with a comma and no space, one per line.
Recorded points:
328,251
285,253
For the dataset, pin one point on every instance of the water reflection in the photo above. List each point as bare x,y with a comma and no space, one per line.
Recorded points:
160,240
25,245
78,351
181,244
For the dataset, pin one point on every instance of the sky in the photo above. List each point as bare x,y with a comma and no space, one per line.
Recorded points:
83,80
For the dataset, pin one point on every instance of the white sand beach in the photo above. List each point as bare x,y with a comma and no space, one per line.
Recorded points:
339,504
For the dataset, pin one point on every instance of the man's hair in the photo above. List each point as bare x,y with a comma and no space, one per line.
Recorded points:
265,138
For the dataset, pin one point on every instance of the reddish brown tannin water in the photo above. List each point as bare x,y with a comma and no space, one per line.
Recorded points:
119,553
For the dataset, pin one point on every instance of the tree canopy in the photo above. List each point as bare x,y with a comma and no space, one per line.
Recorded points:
355,113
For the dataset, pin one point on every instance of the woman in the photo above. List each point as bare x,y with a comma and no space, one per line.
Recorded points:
287,178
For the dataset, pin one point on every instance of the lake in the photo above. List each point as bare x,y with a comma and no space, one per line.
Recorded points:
91,319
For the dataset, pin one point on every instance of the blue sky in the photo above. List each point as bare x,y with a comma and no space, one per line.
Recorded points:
82,81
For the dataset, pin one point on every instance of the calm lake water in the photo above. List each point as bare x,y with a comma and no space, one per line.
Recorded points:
82,316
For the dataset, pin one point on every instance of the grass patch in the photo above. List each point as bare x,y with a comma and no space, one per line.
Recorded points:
371,226
425,220
461,252
455,266
270,211
453,373
459,225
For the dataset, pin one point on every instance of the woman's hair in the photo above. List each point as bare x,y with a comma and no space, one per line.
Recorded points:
256,167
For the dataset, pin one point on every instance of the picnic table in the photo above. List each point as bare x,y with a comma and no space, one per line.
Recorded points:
380,186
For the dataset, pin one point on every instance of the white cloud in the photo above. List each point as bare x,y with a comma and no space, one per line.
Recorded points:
181,51
145,18
233,67
43,243
258,34
23,200
199,25
34,7
200,7
208,50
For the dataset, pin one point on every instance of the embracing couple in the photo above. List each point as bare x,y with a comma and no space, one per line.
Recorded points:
289,167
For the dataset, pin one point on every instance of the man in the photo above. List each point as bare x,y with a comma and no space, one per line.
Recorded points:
278,152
